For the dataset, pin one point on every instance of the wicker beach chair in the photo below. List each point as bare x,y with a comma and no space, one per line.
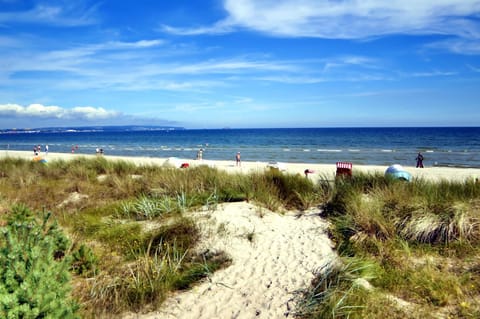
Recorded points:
344,169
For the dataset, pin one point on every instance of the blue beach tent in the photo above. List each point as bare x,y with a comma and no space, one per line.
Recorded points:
398,172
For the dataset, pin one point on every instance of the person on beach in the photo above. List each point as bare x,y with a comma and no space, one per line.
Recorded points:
419,159
46,149
308,171
238,160
200,154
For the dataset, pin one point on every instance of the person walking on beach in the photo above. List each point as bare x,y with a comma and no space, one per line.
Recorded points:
237,159
46,149
419,159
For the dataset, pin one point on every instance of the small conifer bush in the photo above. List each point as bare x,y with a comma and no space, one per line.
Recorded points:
34,277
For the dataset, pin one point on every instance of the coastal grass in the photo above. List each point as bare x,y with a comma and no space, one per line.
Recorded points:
407,249
133,237
421,238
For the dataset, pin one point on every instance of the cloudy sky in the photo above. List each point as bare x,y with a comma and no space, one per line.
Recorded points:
240,63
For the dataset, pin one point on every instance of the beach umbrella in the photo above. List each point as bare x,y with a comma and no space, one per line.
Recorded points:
396,171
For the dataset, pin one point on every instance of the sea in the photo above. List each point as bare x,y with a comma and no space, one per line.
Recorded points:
440,146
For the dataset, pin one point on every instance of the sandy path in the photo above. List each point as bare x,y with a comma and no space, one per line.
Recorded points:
266,271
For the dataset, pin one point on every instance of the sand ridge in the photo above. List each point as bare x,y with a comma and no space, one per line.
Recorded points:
274,256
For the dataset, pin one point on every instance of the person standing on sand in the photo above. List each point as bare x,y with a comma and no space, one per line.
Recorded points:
308,171
237,159
46,149
419,159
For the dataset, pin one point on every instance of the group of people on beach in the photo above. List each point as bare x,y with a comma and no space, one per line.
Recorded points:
38,148
99,151
238,161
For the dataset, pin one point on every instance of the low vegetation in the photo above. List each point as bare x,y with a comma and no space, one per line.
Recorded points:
130,235
117,237
408,250
35,281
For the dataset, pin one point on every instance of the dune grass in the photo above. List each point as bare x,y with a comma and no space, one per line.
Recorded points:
423,240
407,250
133,236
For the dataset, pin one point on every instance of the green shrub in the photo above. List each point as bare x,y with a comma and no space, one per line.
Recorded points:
34,282
84,261
181,233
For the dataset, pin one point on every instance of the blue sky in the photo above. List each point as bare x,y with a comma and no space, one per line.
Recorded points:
240,63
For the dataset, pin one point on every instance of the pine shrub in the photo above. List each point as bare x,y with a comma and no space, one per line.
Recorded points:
34,281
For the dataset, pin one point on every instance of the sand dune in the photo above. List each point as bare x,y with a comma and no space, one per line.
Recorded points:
273,257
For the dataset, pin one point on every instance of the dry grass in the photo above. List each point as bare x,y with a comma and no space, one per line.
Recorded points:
120,264
423,239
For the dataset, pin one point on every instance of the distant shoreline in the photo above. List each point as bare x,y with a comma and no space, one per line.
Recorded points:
80,129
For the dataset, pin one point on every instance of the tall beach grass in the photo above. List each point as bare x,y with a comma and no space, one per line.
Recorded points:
133,236
422,238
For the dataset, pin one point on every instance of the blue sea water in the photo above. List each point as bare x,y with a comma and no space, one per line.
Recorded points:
445,146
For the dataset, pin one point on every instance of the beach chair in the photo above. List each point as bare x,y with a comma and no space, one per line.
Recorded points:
344,169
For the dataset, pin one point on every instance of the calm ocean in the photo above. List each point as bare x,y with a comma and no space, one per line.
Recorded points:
377,146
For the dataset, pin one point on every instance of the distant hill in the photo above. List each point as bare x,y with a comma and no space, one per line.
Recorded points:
116,128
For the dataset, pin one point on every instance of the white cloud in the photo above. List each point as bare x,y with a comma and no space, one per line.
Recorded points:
90,113
72,13
293,79
84,60
55,112
348,19
231,66
460,46
116,45
433,74
349,61
145,43
220,27
473,68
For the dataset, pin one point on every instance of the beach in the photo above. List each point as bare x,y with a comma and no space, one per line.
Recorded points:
320,171
273,256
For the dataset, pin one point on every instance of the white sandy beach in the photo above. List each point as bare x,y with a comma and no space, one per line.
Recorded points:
321,171
273,255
